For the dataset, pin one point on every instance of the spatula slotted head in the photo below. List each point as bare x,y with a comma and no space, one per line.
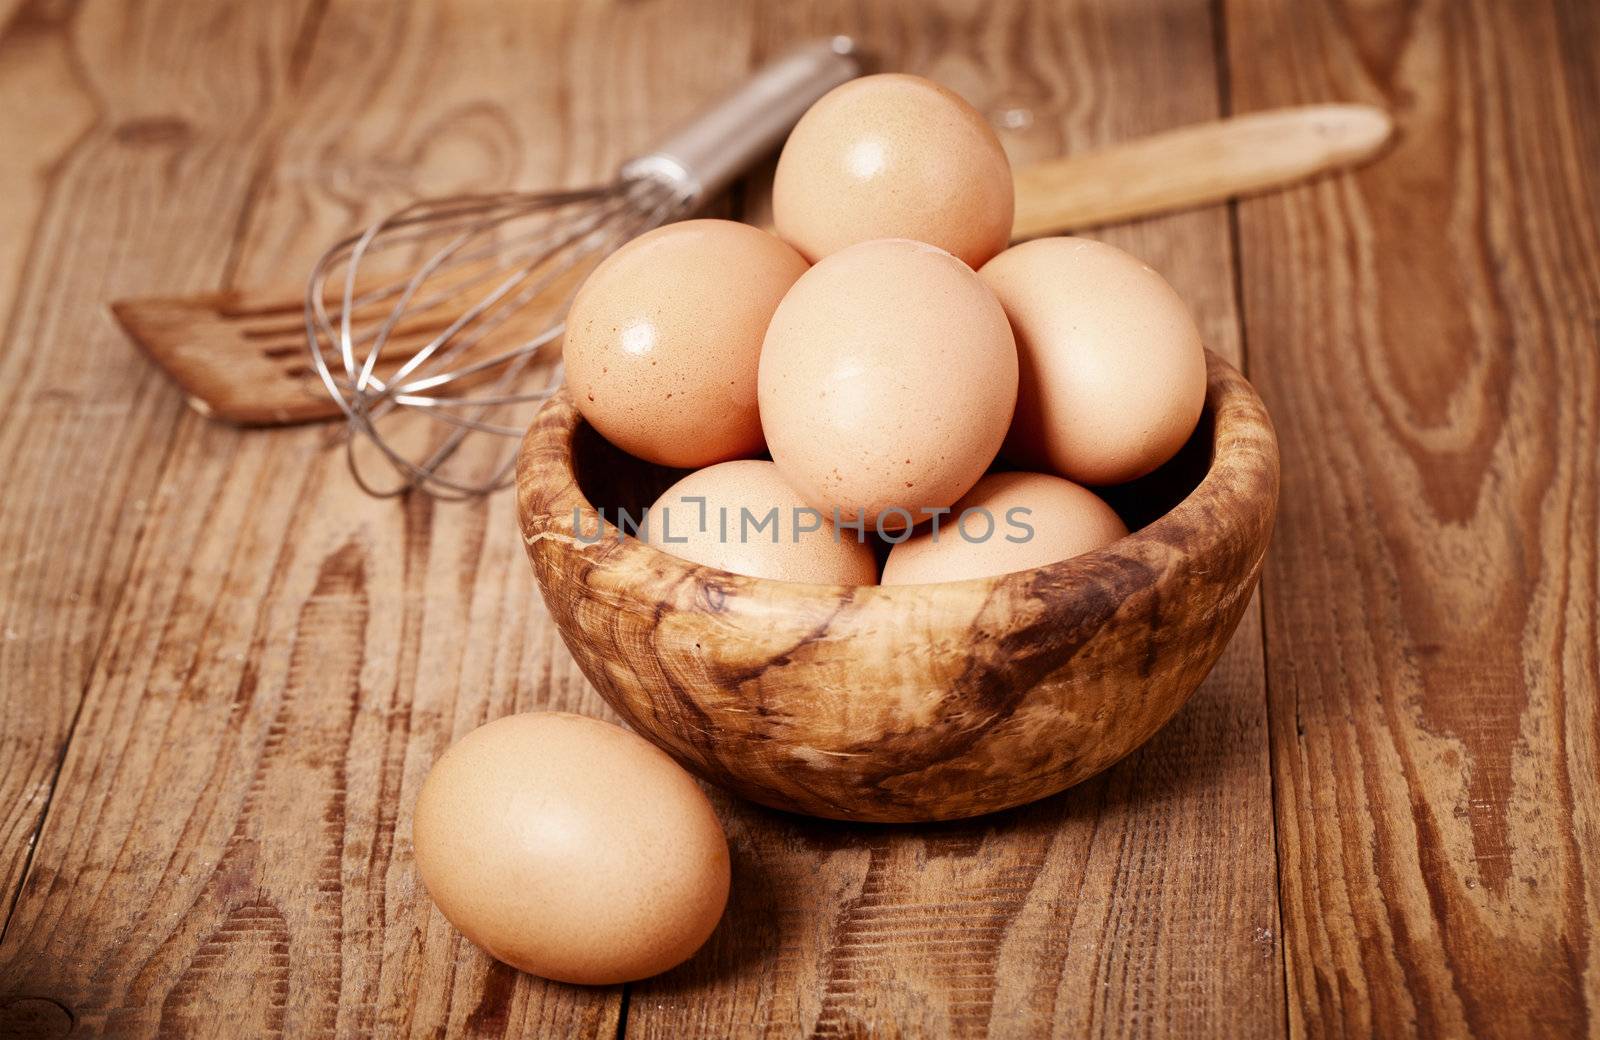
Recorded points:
241,356
236,358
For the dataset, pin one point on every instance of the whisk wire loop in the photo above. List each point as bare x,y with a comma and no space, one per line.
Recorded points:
450,309
479,305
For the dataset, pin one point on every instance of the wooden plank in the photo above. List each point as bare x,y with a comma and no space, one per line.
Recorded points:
34,62
129,137
1426,335
228,851
1114,909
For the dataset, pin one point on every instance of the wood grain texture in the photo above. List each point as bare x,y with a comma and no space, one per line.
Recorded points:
126,136
1425,332
266,662
903,704
269,661
229,847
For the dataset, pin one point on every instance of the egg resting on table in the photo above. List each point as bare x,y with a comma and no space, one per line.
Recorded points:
887,382
1057,520
571,849
663,338
1113,373
747,522
893,156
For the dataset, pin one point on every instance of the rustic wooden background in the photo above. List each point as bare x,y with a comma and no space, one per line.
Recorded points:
225,671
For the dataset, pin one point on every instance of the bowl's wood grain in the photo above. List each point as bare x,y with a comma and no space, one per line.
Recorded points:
913,702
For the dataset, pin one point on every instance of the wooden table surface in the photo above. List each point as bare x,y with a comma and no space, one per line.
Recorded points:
224,672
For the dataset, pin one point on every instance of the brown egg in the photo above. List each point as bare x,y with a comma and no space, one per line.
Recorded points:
571,849
663,338
744,517
1007,522
893,156
887,382
1113,372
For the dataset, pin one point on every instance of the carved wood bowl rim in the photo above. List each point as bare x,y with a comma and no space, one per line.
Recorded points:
1229,513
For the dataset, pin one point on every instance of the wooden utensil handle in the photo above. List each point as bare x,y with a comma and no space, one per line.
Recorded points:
1195,166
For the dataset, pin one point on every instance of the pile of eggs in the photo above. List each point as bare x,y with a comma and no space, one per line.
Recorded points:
908,375
886,348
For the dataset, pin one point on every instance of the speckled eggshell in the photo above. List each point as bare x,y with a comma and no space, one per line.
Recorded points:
571,849
663,338
1113,373
718,533
893,156
887,379
1057,520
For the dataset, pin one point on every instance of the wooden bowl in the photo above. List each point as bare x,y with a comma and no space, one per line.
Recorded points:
905,703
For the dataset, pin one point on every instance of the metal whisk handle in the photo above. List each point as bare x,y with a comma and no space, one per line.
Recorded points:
703,156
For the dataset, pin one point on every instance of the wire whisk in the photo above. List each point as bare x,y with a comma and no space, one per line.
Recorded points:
452,309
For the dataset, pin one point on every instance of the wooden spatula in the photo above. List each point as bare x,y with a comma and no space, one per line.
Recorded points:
240,355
